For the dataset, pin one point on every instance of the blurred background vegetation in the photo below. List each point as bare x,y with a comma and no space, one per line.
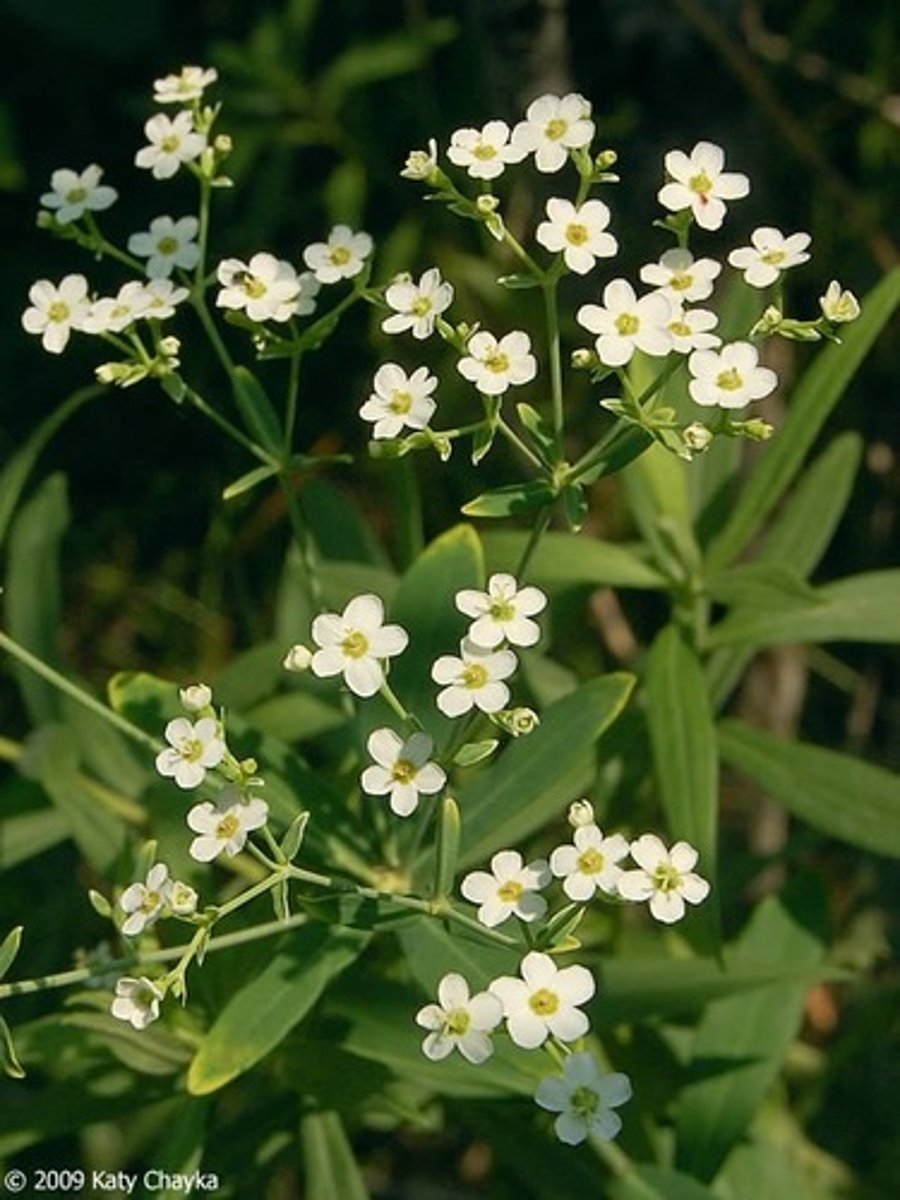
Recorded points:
323,102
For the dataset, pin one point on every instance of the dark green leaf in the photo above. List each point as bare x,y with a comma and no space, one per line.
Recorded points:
645,1182
260,418
563,559
624,444
448,833
10,948
766,586
329,1166
510,500
8,1058
248,481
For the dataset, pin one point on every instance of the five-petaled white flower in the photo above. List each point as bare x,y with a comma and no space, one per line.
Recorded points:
162,297
580,233
223,827
666,878
112,314
421,164
144,902
553,126
195,697
173,141
402,769
459,1020
698,182
193,749
354,644
625,324
181,898
544,1001
769,254
510,889
584,1097
74,193
590,863
167,244
417,305
838,305
342,256
504,611
266,287
187,85
681,277
57,310
690,329
399,400
485,152
494,365
730,377
473,680
136,1001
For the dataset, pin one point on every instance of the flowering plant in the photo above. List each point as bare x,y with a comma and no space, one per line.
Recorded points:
405,780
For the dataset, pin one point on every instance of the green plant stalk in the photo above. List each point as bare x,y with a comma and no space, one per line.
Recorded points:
537,532
551,309
304,540
226,426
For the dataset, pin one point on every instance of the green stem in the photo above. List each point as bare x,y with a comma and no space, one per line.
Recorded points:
408,509
71,689
551,309
391,697
226,426
537,532
290,418
304,541
511,436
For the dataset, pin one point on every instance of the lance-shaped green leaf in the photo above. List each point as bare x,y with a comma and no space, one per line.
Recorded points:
564,559
840,796
248,481
741,1040
329,1165
813,399
510,500
8,1058
10,948
263,1011
447,854
259,415
861,608
646,1182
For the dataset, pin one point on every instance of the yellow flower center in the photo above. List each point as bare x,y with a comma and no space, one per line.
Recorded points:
680,282
774,257
457,1022
701,184
680,328
400,402
355,645
403,771
228,827
584,1101
474,676
191,749
577,234
502,610
730,380
76,195
627,324
555,129
253,286
340,256
510,891
170,144
421,307
497,362
485,151
167,245
591,862
58,312
544,1002
666,878
150,902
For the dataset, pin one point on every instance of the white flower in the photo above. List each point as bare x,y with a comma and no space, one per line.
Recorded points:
769,255
306,297
579,232
194,748
187,85
699,183
421,164
584,1098
494,365
298,658
74,194
144,902
730,377
399,400
473,680
460,1021
354,643
167,244
195,698
484,152
590,863
266,288
137,1001
554,125
162,297
503,611
666,878
417,305
544,1001
182,899
681,277
172,142
689,329
838,305
697,437
581,812
341,257
402,769
112,314
57,310
625,324
510,890
224,826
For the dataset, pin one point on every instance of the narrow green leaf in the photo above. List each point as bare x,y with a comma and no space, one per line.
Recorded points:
740,1041
567,560
256,409
28,834
645,1182
448,834
761,586
264,1011
623,445
510,500
160,1053
814,397
683,737
8,1058
329,1165
293,839
861,608
475,752
10,948
248,481
518,281
840,796
537,776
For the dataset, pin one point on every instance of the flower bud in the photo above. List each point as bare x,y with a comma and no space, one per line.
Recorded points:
581,812
298,658
838,306
223,144
182,899
421,164
518,721
605,159
697,437
196,697
583,359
